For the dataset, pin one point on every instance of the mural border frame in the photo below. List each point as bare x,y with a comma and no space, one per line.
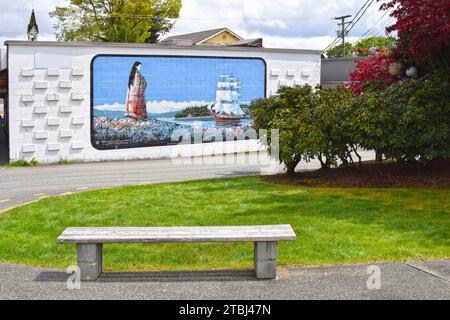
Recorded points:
91,109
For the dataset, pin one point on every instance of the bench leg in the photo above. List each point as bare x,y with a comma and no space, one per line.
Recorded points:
90,261
266,260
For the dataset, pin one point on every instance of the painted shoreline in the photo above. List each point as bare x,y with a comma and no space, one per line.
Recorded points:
129,132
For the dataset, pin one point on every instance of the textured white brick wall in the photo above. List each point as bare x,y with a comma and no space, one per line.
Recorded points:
50,108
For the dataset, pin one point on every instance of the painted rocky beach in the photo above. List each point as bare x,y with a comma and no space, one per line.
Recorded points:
109,130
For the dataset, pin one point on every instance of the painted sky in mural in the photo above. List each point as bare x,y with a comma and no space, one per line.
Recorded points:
141,101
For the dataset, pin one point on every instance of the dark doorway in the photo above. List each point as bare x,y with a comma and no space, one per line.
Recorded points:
4,150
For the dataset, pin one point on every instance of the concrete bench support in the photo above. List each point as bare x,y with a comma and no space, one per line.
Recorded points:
89,259
265,260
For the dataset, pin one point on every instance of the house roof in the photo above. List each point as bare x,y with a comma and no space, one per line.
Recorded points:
199,37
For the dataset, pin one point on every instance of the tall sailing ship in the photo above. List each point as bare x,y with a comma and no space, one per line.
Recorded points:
227,107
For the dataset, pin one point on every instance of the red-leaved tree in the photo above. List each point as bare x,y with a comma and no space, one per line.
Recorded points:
423,28
372,72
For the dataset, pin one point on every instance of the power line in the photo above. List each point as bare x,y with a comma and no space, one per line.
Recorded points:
364,12
387,22
331,45
371,28
352,24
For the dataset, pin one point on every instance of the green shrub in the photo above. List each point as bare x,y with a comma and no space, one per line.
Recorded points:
408,121
291,114
313,124
333,134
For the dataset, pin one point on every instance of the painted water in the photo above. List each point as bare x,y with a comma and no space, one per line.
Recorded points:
209,124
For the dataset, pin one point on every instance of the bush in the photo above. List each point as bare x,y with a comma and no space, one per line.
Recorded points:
408,121
312,124
291,114
334,129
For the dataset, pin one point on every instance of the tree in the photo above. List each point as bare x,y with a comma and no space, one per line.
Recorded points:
336,51
372,73
115,20
423,27
363,46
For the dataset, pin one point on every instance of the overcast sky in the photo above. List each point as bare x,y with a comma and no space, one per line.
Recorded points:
302,24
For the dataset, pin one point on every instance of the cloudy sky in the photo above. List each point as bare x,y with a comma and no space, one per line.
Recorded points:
303,24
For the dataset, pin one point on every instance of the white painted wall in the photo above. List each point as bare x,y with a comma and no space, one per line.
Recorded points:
37,123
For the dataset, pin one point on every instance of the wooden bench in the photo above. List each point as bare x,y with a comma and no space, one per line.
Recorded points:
90,242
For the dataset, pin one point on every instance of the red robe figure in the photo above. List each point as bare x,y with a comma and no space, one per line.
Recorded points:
136,105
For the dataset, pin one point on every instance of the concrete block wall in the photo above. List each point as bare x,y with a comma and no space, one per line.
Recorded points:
49,98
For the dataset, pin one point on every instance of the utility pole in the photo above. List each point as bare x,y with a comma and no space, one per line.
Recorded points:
343,33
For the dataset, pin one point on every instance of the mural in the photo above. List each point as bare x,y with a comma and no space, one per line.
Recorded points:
140,101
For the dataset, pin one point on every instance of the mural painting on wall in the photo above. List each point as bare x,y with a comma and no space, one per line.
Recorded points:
140,101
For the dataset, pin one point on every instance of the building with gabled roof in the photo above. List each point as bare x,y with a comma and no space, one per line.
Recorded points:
214,37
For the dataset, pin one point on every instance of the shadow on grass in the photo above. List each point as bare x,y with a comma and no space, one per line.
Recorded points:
160,276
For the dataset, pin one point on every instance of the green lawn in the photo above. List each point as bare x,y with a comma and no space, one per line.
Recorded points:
334,226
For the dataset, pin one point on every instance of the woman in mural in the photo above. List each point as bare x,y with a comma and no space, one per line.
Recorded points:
136,104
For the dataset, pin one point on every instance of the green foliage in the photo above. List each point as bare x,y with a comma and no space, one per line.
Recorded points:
336,51
291,114
334,130
312,124
362,47
410,120
115,20
23,163
193,112
334,226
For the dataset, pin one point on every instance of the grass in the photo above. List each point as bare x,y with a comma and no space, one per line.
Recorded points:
33,163
65,162
22,163
334,226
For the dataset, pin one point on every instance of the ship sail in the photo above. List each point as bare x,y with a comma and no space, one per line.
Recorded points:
228,97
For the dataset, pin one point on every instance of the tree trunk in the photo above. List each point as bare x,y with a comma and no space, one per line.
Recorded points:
291,167
378,156
322,164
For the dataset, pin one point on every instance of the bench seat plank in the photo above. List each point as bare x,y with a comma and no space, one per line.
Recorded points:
177,234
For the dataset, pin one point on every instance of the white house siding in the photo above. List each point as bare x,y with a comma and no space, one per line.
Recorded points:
49,121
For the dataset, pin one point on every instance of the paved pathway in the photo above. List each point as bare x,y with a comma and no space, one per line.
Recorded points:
21,185
420,280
